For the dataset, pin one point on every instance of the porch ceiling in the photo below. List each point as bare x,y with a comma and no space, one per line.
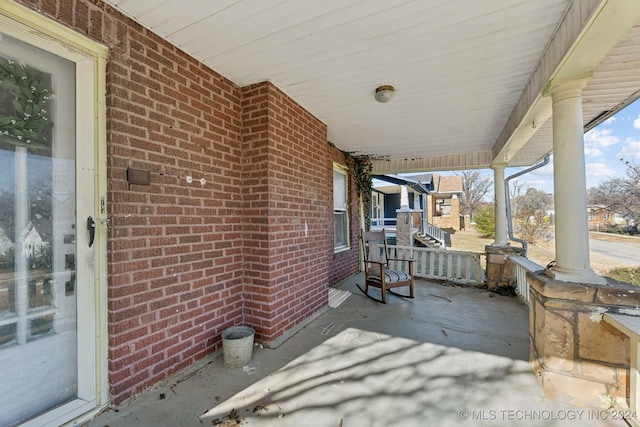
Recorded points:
469,74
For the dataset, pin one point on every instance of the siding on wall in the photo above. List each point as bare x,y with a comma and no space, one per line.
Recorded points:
251,244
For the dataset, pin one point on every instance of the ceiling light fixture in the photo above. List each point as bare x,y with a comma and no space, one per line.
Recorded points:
384,93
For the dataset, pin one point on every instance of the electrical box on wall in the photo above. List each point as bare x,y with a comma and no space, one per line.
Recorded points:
138,177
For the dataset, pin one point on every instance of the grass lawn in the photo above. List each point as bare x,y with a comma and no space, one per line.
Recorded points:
626,274
543,252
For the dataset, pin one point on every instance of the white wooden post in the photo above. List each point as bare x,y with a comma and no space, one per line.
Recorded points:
500,206
570,190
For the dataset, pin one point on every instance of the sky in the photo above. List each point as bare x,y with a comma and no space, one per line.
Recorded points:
614,139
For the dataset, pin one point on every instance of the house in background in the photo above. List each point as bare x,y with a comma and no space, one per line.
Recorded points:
601,218
33,245
439,193
444,201
387,195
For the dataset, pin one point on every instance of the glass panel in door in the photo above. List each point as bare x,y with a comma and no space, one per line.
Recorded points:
38,305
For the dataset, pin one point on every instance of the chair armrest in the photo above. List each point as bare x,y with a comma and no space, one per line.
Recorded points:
401,259
374,265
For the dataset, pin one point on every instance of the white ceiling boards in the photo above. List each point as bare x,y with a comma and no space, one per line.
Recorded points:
467,74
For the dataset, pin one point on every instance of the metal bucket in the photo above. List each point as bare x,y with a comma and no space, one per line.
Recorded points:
237,345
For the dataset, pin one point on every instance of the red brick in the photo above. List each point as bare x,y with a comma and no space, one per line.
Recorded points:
180,254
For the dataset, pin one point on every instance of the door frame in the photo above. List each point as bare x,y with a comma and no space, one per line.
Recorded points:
90,59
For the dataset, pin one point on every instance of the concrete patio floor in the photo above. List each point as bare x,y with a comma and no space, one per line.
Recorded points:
453,356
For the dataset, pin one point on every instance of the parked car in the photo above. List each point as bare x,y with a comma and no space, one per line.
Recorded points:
631,229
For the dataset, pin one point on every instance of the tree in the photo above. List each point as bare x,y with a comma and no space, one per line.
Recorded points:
485,221
631,189
620,195
474,188
533,204
531,213
7,213
516,188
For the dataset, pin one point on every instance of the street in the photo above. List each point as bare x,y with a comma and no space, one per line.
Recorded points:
626,250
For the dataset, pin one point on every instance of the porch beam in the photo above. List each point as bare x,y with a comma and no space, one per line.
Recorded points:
589,30
433,162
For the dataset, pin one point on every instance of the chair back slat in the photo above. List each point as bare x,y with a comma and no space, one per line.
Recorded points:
371,241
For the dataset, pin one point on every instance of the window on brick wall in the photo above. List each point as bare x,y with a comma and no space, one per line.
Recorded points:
340,211
443,207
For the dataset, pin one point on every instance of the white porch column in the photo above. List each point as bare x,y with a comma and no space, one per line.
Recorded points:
570,189
404,223
416,201
500,204
404,197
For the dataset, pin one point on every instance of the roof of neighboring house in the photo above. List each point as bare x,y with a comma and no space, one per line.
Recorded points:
601,209
426,183
441,183
447,183
419,186
597,207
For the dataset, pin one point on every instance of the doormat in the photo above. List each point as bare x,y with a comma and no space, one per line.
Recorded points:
337,297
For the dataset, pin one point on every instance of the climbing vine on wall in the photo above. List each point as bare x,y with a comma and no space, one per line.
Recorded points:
361,166
24,101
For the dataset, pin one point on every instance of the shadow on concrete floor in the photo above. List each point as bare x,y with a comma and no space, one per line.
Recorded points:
453,356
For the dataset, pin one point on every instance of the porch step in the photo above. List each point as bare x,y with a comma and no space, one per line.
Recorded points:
428,241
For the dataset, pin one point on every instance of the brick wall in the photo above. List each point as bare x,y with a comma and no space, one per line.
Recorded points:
445,221
287,194
346,263
601,219
175,247
249,245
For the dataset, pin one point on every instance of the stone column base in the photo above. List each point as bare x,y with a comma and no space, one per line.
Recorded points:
579,358
587,276
404,227
499,271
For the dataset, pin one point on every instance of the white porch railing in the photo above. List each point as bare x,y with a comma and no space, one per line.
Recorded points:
383,222
441,264
524,265
435,232
427,229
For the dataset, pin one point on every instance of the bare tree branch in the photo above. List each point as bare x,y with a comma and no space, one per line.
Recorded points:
474,188
620,195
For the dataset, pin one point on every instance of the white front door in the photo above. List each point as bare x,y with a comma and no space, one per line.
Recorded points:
47,275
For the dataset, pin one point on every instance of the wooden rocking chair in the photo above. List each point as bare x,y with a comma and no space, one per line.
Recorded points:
376,267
